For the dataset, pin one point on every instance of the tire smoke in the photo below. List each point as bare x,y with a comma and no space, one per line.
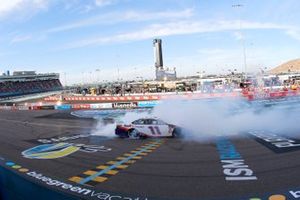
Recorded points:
205,119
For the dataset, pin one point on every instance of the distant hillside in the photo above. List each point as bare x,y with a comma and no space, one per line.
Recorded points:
290,66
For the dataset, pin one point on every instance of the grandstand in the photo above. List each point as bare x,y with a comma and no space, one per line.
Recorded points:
28,82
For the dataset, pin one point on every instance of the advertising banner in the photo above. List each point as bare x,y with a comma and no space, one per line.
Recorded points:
125,105
101,106
47,107
81,106
63,107
147,104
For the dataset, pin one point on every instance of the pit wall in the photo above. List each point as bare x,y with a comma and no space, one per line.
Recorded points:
139,97
84,106
139,101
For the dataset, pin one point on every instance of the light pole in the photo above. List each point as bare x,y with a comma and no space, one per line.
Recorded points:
65,76
91,77
82,76
98,75
238,6
135,72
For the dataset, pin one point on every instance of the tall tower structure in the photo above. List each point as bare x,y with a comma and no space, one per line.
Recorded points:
161,74
158,54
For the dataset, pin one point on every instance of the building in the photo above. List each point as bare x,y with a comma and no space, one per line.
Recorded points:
161,74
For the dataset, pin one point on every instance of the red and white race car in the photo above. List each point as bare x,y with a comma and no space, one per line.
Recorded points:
147,127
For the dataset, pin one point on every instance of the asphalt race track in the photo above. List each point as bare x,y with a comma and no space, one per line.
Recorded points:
67,159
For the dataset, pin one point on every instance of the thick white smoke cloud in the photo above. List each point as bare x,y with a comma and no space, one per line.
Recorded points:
205,119
103,129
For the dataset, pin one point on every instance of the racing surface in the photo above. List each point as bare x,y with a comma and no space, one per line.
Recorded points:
254,166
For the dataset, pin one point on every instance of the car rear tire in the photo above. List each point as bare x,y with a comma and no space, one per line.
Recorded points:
133,134
176,133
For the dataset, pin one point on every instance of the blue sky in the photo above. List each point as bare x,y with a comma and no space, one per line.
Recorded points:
77,37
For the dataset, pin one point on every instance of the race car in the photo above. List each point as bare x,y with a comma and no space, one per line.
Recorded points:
147,127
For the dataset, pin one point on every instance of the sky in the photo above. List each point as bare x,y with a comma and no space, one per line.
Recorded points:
105,40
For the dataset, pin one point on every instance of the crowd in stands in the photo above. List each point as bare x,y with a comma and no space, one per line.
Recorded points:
216,86
15,88
121,89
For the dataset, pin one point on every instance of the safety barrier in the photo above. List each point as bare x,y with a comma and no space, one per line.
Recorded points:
113,98
106,102
6,107
141,97
254,95
81,106
63,107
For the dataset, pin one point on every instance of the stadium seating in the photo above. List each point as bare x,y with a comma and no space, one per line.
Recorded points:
15,88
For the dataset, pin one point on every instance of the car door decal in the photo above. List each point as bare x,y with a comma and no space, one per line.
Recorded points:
154,130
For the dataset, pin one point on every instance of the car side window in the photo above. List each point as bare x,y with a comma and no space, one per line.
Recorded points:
139,121
147,122
155,122
159,122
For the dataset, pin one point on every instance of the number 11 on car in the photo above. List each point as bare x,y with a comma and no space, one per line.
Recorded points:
154,130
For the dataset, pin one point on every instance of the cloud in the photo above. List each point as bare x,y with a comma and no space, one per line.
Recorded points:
183,27
294,33
8,5
128,16
101,3
11,7
238,35
21,38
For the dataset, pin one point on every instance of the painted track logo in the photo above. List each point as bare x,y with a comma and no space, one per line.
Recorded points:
59,150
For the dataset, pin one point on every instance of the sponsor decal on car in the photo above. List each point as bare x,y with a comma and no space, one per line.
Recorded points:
234,167
275,142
